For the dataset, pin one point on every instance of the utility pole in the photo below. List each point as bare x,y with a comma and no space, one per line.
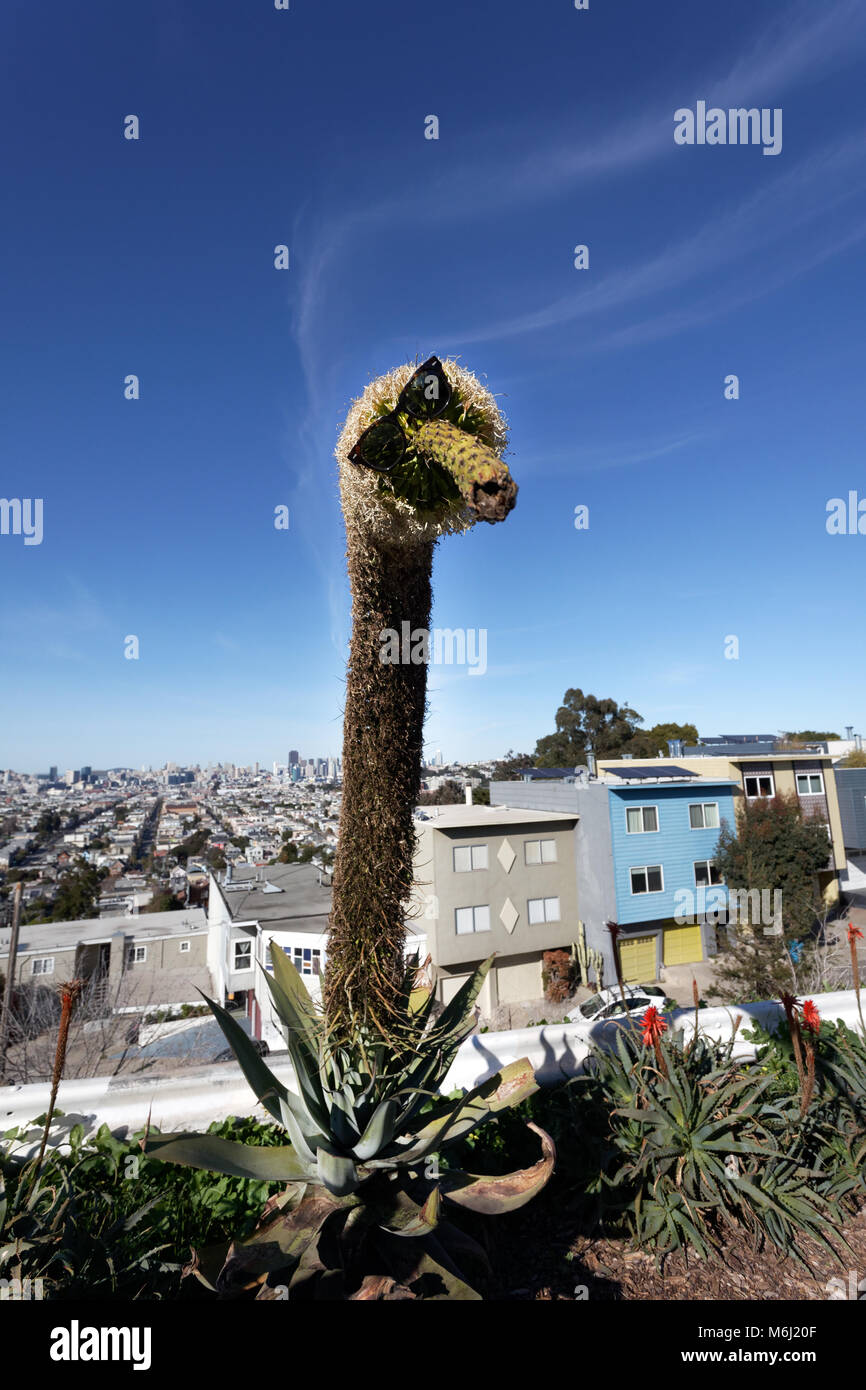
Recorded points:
10,975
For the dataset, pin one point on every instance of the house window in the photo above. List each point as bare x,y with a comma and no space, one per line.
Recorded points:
307,960
539,851
470,919
648,879
184,946
542,910
706,873
469,857
639,820
762,785
137,955
810,784
43,965
243,955
704,815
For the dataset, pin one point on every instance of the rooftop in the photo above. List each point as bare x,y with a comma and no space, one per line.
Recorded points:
276,893
62,936
452,817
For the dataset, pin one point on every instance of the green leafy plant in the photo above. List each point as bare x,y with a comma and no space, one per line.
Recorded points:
362,1216
695,1145
104,1221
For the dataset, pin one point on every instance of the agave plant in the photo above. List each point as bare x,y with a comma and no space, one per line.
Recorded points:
362,1216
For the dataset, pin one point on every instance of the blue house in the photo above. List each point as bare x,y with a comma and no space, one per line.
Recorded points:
645,842
664,834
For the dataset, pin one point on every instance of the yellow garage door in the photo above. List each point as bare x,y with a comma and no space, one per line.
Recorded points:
638,958
682,945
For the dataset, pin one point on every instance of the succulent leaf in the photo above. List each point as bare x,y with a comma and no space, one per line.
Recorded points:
266,1164
267,1087
496,1195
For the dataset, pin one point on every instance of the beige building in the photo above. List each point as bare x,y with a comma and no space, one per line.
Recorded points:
137,963
808,776
492,879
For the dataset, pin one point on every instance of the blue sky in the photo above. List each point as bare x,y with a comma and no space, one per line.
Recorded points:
306,127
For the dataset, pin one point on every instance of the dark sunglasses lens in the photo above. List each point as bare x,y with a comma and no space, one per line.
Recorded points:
427,393
381,446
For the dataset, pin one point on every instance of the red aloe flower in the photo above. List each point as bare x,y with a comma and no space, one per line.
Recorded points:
811,1017
653,1026
853,933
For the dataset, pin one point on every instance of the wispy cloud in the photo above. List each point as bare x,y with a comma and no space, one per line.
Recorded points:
777,211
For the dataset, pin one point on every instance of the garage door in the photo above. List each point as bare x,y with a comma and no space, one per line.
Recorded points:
682,945
638,958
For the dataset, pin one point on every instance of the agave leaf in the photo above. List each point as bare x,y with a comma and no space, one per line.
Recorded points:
278,1244
379,1131
219,1155
304,1055
447,1122
337,1172
407,1218
454,1016
290,982
299,1140
266,1086
492,1196
434,1265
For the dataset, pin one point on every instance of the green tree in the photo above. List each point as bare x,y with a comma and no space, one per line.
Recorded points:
48,824
810,736
647,743
77,895
507,768
163,901
449,794
771,849
587,724
480,796
194,845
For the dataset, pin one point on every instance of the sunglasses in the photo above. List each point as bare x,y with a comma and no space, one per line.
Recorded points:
425,396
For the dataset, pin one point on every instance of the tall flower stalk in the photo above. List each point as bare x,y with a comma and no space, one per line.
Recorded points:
614,931
69,993
811,1029
449,476
853,934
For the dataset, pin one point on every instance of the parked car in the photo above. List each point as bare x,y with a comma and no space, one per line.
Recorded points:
608,1003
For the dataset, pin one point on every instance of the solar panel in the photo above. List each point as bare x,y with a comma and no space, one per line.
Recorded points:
655,771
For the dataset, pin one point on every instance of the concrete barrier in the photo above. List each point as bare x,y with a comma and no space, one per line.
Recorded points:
197,1097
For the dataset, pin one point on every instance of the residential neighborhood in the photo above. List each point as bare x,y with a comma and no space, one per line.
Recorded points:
194,890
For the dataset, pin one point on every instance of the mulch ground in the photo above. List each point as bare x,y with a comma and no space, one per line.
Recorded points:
535,1257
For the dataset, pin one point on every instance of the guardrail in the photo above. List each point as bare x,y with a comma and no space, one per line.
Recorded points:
197,1097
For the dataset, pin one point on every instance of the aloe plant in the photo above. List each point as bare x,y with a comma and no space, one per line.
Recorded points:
697,1145
363,1211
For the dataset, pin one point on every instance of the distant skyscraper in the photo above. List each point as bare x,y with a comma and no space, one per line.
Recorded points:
52,773
294,756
